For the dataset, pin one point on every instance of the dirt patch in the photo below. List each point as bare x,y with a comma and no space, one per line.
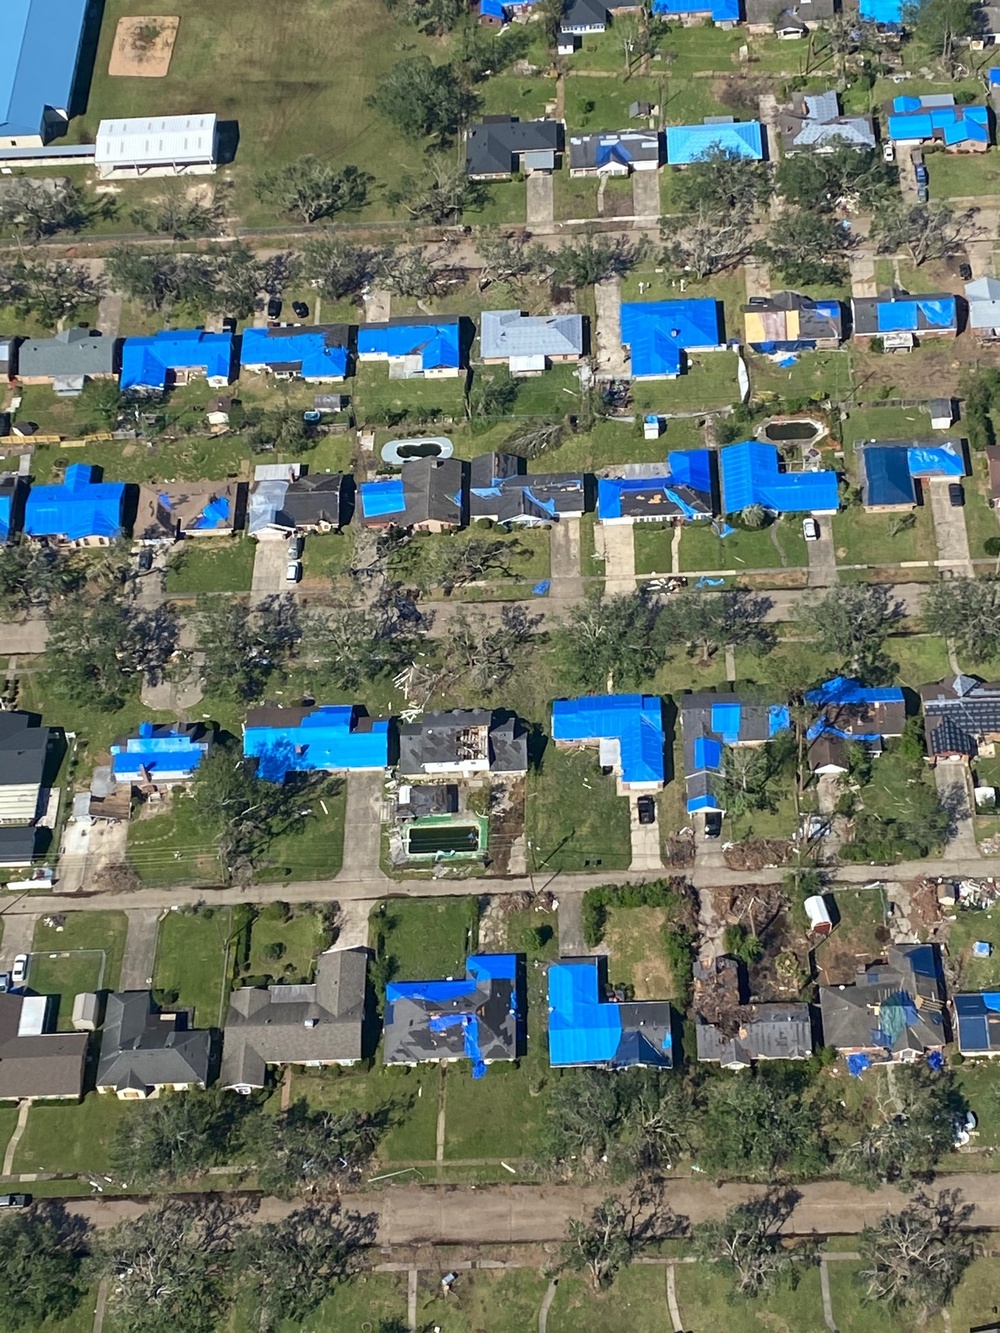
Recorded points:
859,937
633,937
506,812
143,47
678,853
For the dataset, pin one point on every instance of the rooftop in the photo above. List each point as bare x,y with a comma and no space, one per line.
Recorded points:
38,61
937,117
759,1032
434,341
894,1010
712,721
171,509
427,490
478,1017
627,727
79,507
492,741
317,352
500,489
142,1049
610,148
156,139
977,1018
147,361
160,750
657,333
751,475
890,468
790,321
586,1028
691,143
47,1064
509,333
899,312
721,11
327,738
75,351
685,490
493,146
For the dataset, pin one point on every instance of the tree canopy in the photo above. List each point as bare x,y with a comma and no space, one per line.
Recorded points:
967,611
180,1136
925,231
913,1260
423,100
40,1268
725,185
97,653
806,246
311,190
853,621
746,1245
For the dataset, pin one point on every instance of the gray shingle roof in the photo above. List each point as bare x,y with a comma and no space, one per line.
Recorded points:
73,352
463,733
506,333
49,1065
492,147
24,744
894,1008
144,1049
766,1032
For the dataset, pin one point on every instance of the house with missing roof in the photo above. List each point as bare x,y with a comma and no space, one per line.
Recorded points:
976,1022
312,1025
171,511
754,473
463,743
159,361
428,495
716,134
160,754
316,353
849,711
81,511
328,738
39,59
614,153
791,322
626,730
145,1051
415,347
733,1032
787,20
67,360
813,123
900,320
37,1063
711,721
934,118
892,469
499,146
961,716
659,336
529,344
478,1017
683,491
590,1026
893,1013
501,489
983,297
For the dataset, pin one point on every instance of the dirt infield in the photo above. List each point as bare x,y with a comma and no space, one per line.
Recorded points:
143,47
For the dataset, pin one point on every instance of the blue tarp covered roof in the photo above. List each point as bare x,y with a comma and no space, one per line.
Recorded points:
437,344
952,124
80,507
147,361
904,316
657,332
887,476
707,754
935,460
585,1029
379,498
329,738
750,476
6,512
461,1002
691,467
722,11
38,58
882,11
690,143
308,349
994,76
844,690
635,720
492,9
158,750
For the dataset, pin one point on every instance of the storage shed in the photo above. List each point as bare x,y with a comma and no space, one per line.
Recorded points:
157,146
86,1012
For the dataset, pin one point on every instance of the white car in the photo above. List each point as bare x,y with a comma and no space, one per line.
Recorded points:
810,529
19,972
888,152
294,572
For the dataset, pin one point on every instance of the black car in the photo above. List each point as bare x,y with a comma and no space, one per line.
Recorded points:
956,495
713,824
301,309
145,560
274,308
965,272
646,808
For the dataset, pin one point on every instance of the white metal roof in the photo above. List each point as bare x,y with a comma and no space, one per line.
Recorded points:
153,139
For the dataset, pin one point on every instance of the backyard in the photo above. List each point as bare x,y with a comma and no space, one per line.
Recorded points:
193,966
84,955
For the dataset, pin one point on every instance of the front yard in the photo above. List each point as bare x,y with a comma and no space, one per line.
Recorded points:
575,818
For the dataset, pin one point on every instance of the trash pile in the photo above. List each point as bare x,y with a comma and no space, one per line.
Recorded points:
968,894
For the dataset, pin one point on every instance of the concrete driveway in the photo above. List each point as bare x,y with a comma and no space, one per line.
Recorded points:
140,949
610,353
822,556
619,557
18,933
564,557
952,781
86,849
645,840
541,203
363,827
949,529
270,563
646,194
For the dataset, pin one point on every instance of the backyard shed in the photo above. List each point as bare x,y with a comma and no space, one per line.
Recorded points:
86,1012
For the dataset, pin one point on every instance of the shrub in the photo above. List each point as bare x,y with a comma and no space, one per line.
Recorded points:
276,911
274,951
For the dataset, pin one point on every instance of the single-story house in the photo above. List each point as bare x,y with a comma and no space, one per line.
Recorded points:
39,56
787,18
501,489
977,1022
659,335
158,361
587,1027
13,493
580,18
415,347
899,318
627,730
265,514
81,511
499,146
814,124
891,469
463,742
162,754
791,322
961,714
36,1064
614,153
934,118
144,1051
983,297
894,1012
157,146
316,353
778,1031
330,738
18,846
312,1025
29,754
850,711
491,13
67,360
478,1017
712,720
314,502
529,343
172,510
716,134
684,490
428,495
752,474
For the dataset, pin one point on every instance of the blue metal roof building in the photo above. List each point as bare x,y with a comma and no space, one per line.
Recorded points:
977,1022
887,13
82,509
691,143
331,738
585,1029
311,353
750,476
435,343
160,754
658,333
39,53
627,727
889,471
150,362
921,119
721,11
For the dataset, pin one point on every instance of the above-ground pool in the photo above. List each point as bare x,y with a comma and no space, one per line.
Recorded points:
435,837
801,431
431,446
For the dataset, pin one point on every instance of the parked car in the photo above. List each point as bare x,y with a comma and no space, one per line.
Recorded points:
294,572
4,982
920,172
956,495
295,548
923,194
15,1200
301,309
646,808
145,561
713,824
965,272
810,529
19,972
888,151
964,1126
274,308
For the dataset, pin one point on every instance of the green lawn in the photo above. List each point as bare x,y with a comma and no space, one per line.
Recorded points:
779,546
501,1302
72,1137
426,937
980,519
365,1299
326,556
192,961
302,938
634,939
85,955
957,175
866,539
412,1092
574,198
216,564
8,1119
417,563
375,392
704,1300
575,818
82,1318
969,926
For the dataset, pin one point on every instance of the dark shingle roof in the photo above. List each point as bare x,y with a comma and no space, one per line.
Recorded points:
452,737
49,1065
766,1032
142,1048
492,147
24,744
894,1007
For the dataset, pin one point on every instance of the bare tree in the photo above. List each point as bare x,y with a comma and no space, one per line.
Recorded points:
914,1259
708,243
925,231
746,1243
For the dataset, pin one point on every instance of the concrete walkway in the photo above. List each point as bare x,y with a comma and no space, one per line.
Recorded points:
22,1123
823,557
571,941
140,949
541,201
363,827
564,558
547,1299
646,195
952,781
611,360
949,530
619,557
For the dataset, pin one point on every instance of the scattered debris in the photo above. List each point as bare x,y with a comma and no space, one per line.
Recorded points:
761,854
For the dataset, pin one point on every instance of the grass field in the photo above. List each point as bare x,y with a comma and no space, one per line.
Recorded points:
412,1092
867,539
217,564
427,937
301,937
71,1136
575,818
84,955
192,961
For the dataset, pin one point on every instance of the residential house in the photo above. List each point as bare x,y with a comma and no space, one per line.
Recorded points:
159,361
899,319
983,297
148,146
614,153
37,1064
961,716
791,322
81,511
894,1012
499,146
934,118
67,360
317,353
626,729
415,347
144,1051
314,502
39,56
330,738
18,846
266,518
977,1022
161,754
725,14
891,469
753,473
479,1017
661,335
850,711
590,1027
716,134
311,1025
429,495
462,743
814,124
885,14
684,490
500,489
993,467
529,344
788,20
13,492
29,757
580,18
491,13
710,722
171,511
733,1033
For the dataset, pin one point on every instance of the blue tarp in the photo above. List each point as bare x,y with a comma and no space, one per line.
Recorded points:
635,720
81,507
994,77
886,12
844,690
6,516
857,1064
726,721
148,361
306,350
583,1028
935,1061
778,719
167,754
215,513
38,59
915,312
331,738
953,124
722,11
888,482
492,9
978,1020
691,467
437,344
706,582
540,589
691,143
707,753
750,476
381,498
479,968
658,332
935,460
